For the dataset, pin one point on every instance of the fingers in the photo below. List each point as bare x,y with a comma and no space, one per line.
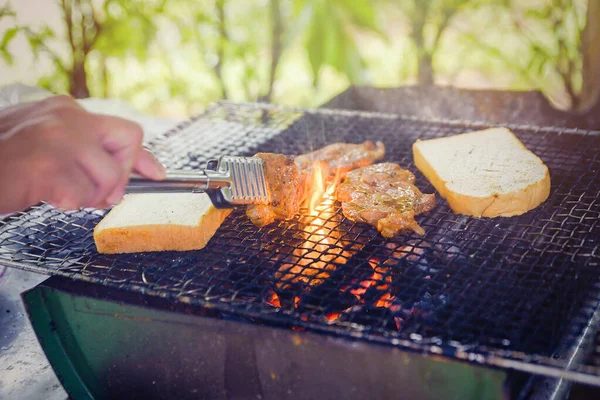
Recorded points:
123,140
117,193
148,166
72,189
67,156
107,176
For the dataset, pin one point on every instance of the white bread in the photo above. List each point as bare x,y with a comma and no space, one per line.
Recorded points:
487,173
159,222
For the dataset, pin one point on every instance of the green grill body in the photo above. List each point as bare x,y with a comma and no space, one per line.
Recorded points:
106,344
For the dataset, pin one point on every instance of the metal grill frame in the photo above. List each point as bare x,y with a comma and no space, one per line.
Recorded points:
568,365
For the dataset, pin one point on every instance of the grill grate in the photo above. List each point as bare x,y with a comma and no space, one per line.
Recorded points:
511,292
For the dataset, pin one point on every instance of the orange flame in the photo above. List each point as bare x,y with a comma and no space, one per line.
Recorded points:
322,185
320,251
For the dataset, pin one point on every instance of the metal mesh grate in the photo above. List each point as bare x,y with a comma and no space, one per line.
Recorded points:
512,292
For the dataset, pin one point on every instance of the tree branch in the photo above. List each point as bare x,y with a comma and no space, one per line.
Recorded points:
59,63
6,11
276,46
68,16
564,65
220,4
447,15
82,27
501,56
418,23
590,92
88,43
97,25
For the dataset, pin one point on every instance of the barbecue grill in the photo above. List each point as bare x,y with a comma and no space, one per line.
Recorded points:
504,294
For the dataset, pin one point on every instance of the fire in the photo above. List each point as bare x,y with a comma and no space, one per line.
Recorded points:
321,187
321,250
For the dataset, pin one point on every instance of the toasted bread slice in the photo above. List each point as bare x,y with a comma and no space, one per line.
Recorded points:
159,222
487,173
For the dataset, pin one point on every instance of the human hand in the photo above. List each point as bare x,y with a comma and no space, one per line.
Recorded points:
56,151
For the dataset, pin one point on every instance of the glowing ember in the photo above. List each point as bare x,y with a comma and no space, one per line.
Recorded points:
395,308
332,317
273,299
398,322
362,289
377,281
385,301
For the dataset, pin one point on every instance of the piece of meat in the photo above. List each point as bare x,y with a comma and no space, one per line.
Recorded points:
289,180
283,184
334,161
384,195
343,156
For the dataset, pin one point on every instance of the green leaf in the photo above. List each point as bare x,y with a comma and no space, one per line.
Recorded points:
361,13
302,22
301,5
6,11
333,44
543,14
129,35
354,65
541,67
315,43
6,56
8,36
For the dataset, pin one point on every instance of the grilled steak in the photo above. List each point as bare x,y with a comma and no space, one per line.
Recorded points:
342,156
335,160
283,184
384,195
289,180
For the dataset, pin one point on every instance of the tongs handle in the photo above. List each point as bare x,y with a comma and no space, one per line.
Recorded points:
228,181
178,181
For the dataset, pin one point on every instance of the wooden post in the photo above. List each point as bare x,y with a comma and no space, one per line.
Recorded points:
590,94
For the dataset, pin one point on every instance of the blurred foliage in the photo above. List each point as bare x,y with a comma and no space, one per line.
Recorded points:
544,44
326,26
6,13
428,21
175,57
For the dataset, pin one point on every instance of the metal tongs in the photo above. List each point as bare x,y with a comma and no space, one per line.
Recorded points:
228,181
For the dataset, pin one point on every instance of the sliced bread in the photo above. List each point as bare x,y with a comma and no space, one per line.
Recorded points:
487,173
159,222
